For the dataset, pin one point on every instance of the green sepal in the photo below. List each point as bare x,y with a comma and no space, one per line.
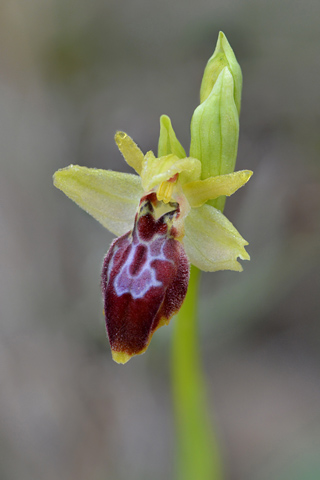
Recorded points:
222,57
110,197
211,242
168,142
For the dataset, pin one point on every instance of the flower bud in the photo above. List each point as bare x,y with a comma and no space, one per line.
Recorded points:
215,129
215,122
223,56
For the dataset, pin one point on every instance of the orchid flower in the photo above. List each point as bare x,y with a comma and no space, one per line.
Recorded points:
168,191
164,216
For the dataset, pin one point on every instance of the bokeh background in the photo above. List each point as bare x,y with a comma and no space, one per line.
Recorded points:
72,72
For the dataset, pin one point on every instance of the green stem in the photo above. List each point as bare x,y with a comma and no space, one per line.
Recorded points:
197,456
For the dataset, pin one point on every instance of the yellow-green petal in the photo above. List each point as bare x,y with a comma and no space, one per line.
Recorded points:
168,142
110,197
200,191
130,151
211,241
157,170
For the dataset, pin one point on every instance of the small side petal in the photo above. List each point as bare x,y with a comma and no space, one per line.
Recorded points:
211,241
200,191
130,151
157,170
110,197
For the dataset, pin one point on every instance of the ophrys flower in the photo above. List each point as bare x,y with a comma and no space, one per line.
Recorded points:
162,218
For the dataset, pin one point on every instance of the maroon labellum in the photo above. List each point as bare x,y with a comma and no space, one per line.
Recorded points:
144,279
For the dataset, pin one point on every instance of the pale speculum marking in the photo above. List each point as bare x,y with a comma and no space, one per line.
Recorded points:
137,274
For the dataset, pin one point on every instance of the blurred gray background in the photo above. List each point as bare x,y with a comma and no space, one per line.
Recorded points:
71,74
